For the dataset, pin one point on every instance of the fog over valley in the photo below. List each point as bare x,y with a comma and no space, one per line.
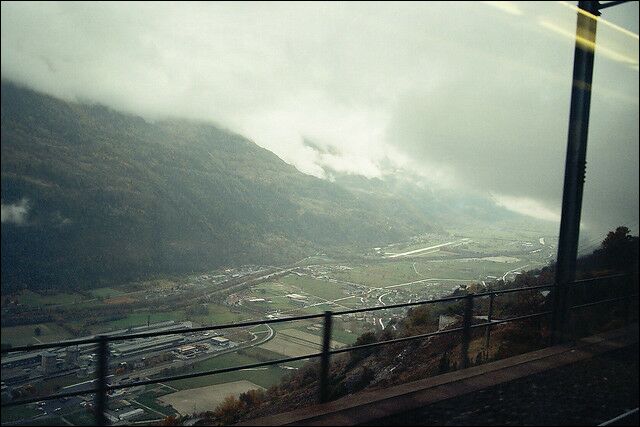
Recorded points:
434,92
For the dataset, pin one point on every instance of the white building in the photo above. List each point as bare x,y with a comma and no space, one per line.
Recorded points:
131,414
221,341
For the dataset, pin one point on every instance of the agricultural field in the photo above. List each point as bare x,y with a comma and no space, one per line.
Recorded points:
205,398
305,337
139,319
26,334
290,347
105,292
263,377
379,274
81,418
217,315
150,399
318,288
34,299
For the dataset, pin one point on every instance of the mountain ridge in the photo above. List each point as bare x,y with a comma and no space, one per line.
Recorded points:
91,196
111,196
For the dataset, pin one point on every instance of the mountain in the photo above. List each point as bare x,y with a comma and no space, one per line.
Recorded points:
91,195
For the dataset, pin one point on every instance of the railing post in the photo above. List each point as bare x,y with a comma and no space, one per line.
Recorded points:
101,375
325,359
631,284
466,331
487,332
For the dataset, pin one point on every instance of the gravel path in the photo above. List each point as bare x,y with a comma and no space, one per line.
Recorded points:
585,393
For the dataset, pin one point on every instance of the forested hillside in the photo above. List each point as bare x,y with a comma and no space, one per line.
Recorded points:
91,195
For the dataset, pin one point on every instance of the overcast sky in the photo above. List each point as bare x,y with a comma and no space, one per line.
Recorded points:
472,96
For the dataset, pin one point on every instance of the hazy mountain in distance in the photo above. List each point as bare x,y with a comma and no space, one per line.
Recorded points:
91,195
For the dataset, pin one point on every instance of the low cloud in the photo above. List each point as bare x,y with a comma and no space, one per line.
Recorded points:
472,96
526,206
15,213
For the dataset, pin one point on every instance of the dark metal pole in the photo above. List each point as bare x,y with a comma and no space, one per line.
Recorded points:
612,3
631,285
325,358
487,332
466,331
574,171
101,375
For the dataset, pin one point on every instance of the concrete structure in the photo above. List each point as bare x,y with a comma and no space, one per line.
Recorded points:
187,350
145,345
21,359
72,358
49,363
221,341
14,376
130,415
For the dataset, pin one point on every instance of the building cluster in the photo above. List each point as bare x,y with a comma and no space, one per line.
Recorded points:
29,369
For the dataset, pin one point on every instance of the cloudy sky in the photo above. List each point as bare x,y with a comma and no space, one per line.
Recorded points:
472,96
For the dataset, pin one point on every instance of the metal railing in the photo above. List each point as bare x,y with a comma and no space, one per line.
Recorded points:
102,368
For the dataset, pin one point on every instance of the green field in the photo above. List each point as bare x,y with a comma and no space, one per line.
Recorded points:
81,418
320,288
25,334
206,398
379,274
34,299
218,315
105,292
149,399
140,319
262,377
339,331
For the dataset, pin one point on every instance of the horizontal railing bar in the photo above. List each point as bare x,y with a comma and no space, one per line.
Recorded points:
430,334
213,372
275,362
50,397
596,279
163,379
44,346
512,319
159,333
413,337
609,4
215,327
508,291
69,343
604,301
619,418
401,305
439,300
279,361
